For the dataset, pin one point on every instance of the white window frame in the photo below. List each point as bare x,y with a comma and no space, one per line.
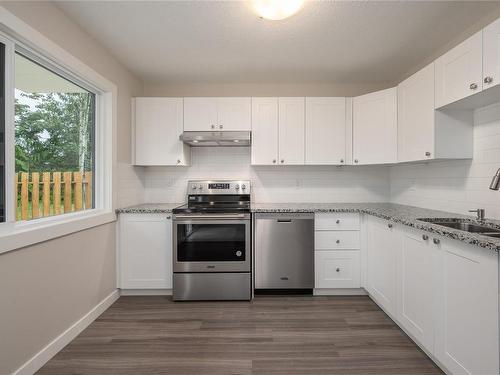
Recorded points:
19,36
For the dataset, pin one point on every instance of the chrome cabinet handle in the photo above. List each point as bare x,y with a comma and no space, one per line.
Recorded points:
341,161
338,221
389,225
178,161
473,86
436,241
425,237
338,269
427,153
488,79
213,126
274,161
168,217
356,161
220,127
282,160
338,241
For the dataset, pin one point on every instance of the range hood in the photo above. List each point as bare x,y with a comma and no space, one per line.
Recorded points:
217,139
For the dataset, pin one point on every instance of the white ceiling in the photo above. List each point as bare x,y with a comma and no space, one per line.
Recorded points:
355,42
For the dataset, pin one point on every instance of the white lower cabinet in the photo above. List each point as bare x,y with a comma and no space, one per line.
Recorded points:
467,338
337,269
383,245
145,251
416,286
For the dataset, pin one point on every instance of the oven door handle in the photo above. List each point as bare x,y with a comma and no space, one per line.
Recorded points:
208,217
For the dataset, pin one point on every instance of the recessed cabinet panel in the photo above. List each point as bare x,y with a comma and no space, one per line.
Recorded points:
337,269
416,120
328,240
291,130
200,114
325,131
264,131
459,72
158,123
375,127
234,114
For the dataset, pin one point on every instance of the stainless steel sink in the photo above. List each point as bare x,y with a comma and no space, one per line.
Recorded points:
465,226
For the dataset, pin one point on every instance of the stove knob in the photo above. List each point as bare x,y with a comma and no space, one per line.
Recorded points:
200,187
194,187
236,186
243,187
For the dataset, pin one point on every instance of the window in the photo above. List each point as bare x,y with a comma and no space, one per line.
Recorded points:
54,142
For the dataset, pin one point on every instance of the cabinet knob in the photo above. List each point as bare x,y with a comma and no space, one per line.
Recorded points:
356,161
427,154
488,79
338,241
274,161
338,269
341,161
168,217
338,221
178,161
473,86
436,241
425,237
213,126
220,127
389,225
282,160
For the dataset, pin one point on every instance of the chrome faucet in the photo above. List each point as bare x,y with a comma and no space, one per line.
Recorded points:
480,213
495,182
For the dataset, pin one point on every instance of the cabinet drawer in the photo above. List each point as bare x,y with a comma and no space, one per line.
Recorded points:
331,240
337,269
337,221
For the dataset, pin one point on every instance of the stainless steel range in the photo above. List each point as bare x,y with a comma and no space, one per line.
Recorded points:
212,242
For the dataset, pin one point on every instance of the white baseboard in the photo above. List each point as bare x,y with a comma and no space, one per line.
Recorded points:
340,292
43,356
146,292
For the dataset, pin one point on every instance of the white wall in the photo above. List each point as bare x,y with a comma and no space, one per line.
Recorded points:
459,185
270,184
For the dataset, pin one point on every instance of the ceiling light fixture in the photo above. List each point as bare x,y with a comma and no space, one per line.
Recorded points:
276,9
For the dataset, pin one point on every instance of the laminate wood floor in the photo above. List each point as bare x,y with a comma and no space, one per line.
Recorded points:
293,335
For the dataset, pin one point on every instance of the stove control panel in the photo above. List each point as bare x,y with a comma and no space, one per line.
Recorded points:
236,187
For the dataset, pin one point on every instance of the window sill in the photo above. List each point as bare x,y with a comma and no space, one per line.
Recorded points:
17,235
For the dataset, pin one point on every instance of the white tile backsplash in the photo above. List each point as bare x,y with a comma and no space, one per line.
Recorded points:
457,185
270,184
130,185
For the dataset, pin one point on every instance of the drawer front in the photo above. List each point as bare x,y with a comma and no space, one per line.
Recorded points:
337,221
337,269
331,240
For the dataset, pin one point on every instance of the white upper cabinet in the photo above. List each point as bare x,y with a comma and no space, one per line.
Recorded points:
264,131
459,72
157,125
491,55
226,114
374,121
325,130
291,130
416,116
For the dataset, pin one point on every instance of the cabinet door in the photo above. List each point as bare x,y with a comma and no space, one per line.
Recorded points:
292,130
145,251
337,269
467,326
325,130
375,127
264,131
459,72
416,287
158,122
383,245
416,116
200,114
491,55
234,114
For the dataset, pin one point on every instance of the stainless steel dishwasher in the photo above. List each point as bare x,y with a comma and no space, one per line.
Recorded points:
284,251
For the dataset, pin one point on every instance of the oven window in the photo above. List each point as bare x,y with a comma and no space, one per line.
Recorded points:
210,242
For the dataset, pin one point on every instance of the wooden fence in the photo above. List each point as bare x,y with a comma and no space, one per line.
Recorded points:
40,194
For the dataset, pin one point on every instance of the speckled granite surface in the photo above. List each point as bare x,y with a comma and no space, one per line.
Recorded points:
149,208
406,215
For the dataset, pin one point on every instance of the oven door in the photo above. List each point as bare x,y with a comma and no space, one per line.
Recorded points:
211,243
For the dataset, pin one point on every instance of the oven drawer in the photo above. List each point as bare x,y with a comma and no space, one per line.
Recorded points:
211,286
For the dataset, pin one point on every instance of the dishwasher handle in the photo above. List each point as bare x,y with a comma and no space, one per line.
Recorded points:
284,220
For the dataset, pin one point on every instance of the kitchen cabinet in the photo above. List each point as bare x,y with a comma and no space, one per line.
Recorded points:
459,72
337,269
382,247
425,133
375,131
225,114
467,339
416,286
145,251
265,131
278,131
326,135
157,125
491,55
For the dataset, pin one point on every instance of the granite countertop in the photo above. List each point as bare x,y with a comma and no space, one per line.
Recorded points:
402,214
406,215
149,208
